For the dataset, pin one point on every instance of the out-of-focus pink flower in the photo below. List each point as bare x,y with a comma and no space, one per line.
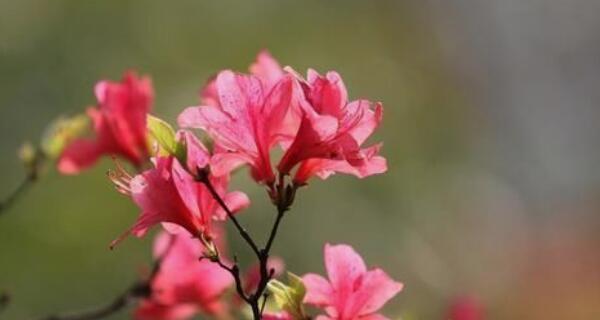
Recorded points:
184,286
170,195
152,310
246,119
332,131
352,292
466,308
119,125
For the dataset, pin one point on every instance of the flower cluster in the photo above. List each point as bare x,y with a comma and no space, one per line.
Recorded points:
183,185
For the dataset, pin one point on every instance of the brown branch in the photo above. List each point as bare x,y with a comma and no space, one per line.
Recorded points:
138,290
203,177
4,301
282,196
234,270
19,191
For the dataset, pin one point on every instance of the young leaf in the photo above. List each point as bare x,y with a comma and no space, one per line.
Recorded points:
289,297
163,134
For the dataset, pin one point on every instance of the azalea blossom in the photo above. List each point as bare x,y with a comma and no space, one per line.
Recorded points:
265,68
183,286
332,131
119,123
247,118
352,292
170,195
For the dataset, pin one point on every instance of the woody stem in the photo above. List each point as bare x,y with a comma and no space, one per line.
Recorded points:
4,300
205,180
261,254
19,191
138,290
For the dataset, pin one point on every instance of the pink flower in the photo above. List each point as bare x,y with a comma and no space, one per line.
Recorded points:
184,284
265,68
170,195
332,131
119,124
351,292
152,310
246,120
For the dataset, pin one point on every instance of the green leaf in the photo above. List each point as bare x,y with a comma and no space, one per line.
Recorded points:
164,135
289,297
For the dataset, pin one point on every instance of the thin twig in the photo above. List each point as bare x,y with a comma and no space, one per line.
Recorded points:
284,198
19,191
4,301
139,290
206,181
234,270
264,303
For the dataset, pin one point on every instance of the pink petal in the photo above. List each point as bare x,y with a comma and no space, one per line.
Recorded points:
236,201
226,162
327,94
369,119
267,69
344,266
187,189
219,125
314,130
375,290
183,279
367,163
318,290
276,108
208,95
197,154
375,316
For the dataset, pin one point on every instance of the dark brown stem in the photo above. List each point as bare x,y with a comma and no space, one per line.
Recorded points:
234,270
117,305
19,191
139,290
4,301
206,181
283,197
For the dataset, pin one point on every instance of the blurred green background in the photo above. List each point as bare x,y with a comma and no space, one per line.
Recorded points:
490,129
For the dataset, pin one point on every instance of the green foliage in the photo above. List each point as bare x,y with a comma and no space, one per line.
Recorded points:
289,297
166,138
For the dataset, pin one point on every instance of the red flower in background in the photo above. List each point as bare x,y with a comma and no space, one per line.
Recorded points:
332,131
119,123
170,195
184,286
352,292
